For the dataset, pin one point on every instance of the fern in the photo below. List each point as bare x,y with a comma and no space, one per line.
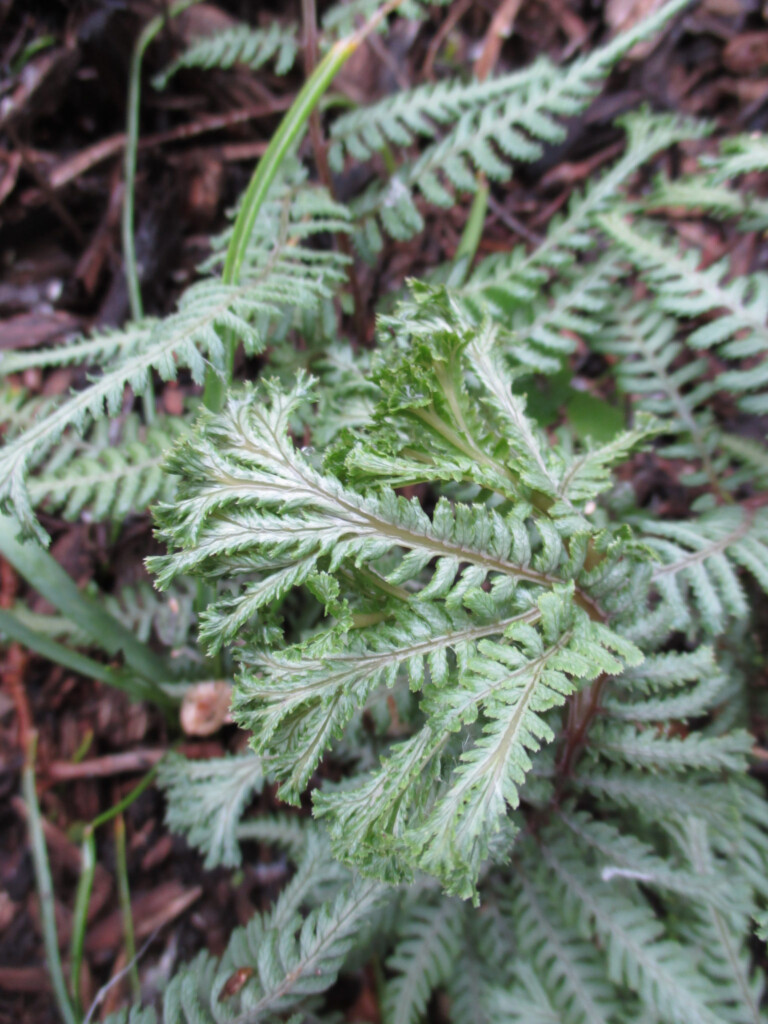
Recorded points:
425,955
454,634
686,291
206,800
250,47
279,270
505,119
110,481
287,959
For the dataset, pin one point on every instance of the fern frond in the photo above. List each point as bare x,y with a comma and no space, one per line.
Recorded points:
345,16
509,285
278,271
695,674
662,753
708,193
487,947
741,154
255,503
697,557
639,792
290,959
721,933
425,955
658,372
682,288
206,800
242,44
640,956
571,969
487,135
622,855
111,480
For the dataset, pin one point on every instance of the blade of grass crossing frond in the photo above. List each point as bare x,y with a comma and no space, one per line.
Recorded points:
124,893
470,238
130,262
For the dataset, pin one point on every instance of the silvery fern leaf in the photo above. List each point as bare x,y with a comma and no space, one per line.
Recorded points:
740,332
280,961
240,44
206,799
426,952
509,124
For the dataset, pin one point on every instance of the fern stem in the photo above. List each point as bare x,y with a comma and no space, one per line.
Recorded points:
282,141
45,886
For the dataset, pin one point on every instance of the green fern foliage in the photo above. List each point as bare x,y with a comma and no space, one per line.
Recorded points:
492,123
681,288
206,800
241,44
514,691
287,958
280,271
425,955
108,481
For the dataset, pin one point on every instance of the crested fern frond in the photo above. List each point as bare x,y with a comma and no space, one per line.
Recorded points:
206,799
455,636
255,501
241,44
514,688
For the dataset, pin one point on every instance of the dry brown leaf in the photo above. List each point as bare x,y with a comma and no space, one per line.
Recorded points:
205,707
